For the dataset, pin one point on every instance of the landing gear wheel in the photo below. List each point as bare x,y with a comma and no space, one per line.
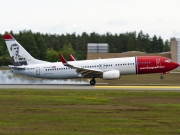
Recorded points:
162,77
93,82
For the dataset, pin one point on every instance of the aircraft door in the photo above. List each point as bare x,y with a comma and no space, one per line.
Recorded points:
37,71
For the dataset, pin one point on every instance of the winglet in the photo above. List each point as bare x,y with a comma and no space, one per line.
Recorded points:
71,57
63,60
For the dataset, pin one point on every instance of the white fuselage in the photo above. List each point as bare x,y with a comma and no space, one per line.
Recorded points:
57,70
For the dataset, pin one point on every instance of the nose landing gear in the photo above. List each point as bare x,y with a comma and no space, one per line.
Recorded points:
161,77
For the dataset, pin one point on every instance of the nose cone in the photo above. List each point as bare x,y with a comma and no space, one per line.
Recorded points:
175,64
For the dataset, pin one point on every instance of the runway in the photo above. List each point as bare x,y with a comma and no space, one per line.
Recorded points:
149,87
88,87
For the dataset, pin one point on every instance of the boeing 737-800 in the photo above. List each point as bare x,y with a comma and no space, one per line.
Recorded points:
112,68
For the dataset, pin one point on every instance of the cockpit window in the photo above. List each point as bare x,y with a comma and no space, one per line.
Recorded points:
169,60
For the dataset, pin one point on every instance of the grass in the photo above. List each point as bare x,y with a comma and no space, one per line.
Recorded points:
89,112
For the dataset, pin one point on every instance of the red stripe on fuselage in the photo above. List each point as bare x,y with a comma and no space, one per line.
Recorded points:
154,64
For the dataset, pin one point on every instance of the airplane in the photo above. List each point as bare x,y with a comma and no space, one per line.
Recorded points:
111,68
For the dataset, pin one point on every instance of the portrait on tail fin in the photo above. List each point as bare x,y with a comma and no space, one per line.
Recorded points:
16,58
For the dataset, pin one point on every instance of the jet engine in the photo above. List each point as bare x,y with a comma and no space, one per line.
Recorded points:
110,75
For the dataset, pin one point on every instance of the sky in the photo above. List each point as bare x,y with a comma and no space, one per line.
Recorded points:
154,17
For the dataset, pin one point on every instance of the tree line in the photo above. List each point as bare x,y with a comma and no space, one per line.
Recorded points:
47,46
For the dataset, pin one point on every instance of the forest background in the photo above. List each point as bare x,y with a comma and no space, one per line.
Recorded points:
47,46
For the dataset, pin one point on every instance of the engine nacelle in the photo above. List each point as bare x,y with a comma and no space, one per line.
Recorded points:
109,75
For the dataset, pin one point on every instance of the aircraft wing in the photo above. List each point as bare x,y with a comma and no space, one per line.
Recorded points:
86,71
81,71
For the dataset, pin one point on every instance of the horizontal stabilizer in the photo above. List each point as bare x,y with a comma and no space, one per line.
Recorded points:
17,67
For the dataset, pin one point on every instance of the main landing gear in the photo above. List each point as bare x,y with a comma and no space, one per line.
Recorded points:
93,81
